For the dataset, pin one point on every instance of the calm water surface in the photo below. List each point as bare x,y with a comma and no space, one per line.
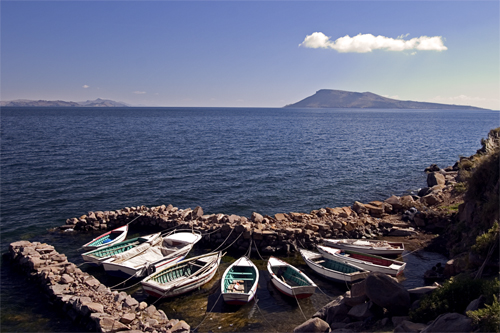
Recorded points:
61,163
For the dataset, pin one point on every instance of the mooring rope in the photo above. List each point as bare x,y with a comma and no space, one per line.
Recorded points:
135,218
132,276
207,312
300,308
258,252
227,247
224,241
258,308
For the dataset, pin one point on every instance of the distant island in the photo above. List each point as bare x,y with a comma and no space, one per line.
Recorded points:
328,98
42,103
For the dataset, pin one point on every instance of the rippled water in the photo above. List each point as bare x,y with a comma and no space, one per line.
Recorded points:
61,163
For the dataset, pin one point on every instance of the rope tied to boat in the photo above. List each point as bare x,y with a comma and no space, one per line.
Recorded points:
300,308
258,308
207,312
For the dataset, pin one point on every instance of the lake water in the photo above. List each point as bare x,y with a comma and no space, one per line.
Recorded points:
58,163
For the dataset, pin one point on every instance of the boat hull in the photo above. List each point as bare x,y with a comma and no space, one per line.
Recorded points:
183,285
122,271
246,272
123,230
390,267
366,246
331,274
304,287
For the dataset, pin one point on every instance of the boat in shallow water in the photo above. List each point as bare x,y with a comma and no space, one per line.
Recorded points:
182,276
333,270
289,280
131,247
171,249
378,247
111,237
366,261
239,282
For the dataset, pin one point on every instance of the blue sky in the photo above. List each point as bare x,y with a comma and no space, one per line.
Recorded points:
250,53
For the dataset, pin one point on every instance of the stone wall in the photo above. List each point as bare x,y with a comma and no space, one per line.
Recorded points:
283,232
83,298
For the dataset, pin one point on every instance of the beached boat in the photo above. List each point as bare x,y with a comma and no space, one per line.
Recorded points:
290,280
173,248
132,246
111,237
183,276
333,270
383,248
239,282
366,261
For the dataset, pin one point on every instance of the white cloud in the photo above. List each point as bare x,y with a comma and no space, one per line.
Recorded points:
363,43
139,92
85,86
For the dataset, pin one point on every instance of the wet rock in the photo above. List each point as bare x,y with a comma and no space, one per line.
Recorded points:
313,325
180,327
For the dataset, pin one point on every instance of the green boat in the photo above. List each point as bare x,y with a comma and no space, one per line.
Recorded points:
131,247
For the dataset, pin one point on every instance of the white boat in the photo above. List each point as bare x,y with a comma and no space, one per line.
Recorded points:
367,246
183,276
366,261
132,246
173,248
290,280
239,282
109,238
333,270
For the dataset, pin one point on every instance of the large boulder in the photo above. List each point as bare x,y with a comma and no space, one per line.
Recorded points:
335,311
386,292
450,322
435,178
409,327
313,325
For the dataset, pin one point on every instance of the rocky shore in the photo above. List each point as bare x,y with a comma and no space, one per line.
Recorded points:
396,216
83,298
96,307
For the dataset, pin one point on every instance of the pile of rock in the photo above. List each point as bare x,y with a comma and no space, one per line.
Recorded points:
377,303
281,232
83,298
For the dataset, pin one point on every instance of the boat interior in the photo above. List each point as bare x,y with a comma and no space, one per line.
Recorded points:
336,266
239,279
290,276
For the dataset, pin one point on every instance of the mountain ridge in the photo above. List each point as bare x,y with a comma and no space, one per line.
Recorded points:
329,98
99,102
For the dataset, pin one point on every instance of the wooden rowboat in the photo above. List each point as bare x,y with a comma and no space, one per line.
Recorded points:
333,270
183,276
173,248
383,248
132,247
289,280
111,237
366,261
239,282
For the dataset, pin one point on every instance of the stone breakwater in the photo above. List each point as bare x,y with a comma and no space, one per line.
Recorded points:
83,298
281,232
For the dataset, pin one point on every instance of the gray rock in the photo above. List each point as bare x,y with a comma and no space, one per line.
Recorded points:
476,304
449,322
387,293
435,178
180,327
410,327
313,325
360,311
127,318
